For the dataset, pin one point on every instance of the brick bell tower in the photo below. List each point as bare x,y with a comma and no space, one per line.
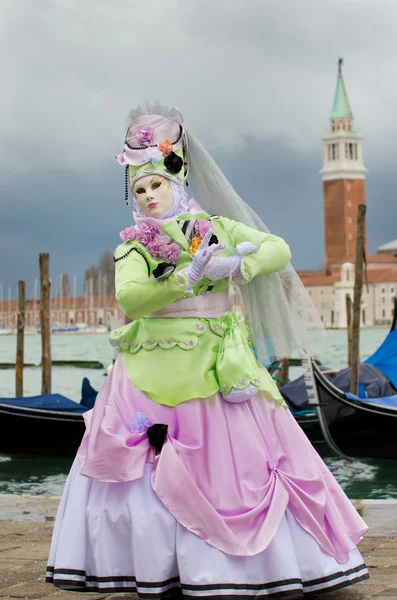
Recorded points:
343,176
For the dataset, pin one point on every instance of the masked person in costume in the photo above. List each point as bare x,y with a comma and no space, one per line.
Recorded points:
193,478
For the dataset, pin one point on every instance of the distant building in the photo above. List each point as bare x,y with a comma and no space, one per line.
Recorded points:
343,176
88,310
390,248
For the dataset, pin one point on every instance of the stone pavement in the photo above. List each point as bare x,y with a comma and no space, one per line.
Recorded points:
26,524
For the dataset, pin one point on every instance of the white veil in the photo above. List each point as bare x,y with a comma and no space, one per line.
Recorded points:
278,308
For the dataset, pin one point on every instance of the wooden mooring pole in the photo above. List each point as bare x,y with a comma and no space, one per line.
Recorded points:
45,312
349,328
284,372
20,340
358,284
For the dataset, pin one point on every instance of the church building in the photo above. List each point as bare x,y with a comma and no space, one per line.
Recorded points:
343,175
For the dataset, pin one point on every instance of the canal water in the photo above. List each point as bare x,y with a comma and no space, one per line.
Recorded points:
46,476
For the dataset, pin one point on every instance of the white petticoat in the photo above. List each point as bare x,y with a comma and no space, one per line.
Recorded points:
119,537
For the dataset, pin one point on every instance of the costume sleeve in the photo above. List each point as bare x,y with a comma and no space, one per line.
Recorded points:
273,252
136,294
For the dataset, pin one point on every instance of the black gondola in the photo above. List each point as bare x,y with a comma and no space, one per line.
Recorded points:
352,426
355,426
46,425
378,385
302,402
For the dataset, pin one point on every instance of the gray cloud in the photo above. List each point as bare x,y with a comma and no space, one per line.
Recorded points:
255,81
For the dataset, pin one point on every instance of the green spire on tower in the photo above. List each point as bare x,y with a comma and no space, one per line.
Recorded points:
341,107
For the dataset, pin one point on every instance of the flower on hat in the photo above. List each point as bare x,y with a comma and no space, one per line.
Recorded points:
145,136
173,163
128,234
153,155
165,147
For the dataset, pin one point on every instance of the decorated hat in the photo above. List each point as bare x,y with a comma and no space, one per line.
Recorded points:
155,144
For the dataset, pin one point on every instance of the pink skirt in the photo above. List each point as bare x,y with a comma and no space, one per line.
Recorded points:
237,485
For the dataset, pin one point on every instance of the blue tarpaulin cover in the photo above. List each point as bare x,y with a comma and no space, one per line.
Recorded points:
55,402
389,402
373,384
385,357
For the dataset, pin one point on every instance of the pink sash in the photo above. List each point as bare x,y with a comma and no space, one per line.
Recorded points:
207,306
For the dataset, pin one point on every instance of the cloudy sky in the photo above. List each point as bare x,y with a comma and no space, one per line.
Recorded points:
254,79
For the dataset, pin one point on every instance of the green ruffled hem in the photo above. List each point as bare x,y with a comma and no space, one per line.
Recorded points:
224,360
256,381
241,385
142,335
134,347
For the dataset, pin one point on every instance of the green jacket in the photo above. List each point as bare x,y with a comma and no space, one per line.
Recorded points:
177,359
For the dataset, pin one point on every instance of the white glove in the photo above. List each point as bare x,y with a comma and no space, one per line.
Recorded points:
246,248
220,267
195,272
